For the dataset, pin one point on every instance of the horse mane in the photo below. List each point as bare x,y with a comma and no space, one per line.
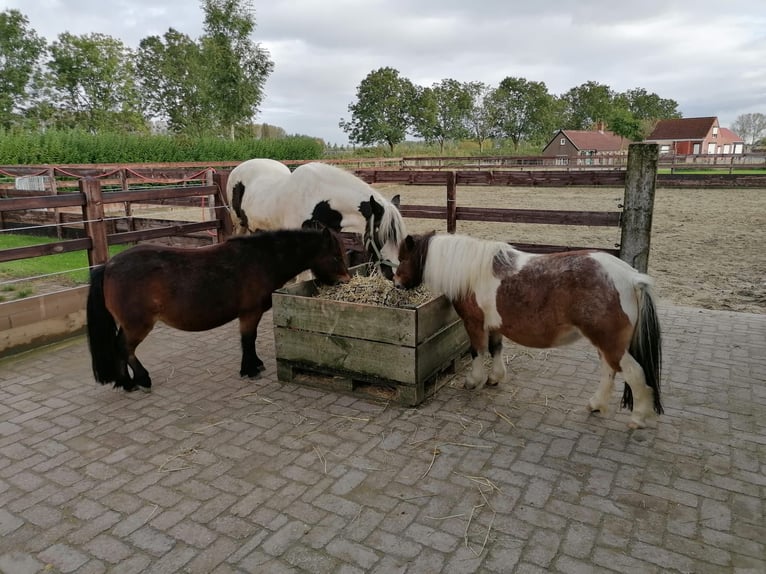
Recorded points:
457,265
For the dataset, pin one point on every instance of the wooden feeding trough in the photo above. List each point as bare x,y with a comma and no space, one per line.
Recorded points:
389,353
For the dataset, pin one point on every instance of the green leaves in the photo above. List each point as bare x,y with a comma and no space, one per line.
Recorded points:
383,110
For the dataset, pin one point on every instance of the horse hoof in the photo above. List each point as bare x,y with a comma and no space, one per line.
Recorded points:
492,383
634,424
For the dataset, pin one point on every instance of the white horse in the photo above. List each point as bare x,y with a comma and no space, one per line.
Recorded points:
263,194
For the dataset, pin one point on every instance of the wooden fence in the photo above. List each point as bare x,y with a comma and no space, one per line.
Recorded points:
639,182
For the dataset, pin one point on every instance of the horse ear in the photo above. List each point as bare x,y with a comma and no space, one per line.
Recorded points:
409,243
396,200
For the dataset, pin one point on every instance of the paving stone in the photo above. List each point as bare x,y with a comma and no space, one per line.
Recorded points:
211,473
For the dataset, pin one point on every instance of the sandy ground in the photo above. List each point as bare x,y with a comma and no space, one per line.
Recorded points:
708,246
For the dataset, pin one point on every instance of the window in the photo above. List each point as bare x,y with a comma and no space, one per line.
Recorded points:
711,148
715,131
563,141
665,148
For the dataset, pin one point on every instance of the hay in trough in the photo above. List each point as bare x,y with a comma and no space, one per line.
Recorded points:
375,290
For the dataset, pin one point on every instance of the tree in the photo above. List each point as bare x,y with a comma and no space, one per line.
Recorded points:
382,112
645,106
750,127
20,51
586,105
169,70
522,110
236,68
480,120
94,76
440,112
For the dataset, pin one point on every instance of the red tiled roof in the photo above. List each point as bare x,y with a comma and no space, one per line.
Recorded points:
682,129
595,140
726,136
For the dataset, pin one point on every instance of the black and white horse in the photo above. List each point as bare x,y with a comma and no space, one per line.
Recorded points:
263,194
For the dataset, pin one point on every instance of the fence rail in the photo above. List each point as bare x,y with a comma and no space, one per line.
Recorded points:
91,198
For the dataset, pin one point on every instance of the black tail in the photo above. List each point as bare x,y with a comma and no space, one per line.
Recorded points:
102,331
646,348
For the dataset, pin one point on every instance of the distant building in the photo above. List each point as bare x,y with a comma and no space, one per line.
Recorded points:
580,145
695,136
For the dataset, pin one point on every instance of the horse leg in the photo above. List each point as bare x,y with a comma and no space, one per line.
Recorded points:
642,393
477,376
497,374
128,357
599,402
248,330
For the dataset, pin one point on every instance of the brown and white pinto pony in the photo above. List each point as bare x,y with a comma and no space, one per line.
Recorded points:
545,301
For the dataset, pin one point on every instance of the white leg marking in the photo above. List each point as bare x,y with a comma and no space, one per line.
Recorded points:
478,375
642,393
600,399
497,375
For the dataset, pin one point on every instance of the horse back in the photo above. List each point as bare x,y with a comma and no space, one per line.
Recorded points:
189,289
552,297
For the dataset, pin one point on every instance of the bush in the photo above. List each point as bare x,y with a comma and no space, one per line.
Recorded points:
78,147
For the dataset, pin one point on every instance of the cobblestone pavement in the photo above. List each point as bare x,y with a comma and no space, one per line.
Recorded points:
211,473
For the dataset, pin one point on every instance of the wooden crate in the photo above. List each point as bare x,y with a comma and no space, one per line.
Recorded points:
365,350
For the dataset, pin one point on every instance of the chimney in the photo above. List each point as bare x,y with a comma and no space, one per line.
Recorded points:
600,126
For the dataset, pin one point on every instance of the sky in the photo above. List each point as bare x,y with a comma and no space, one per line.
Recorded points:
707,55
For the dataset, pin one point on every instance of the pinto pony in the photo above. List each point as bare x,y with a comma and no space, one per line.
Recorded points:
196,289
545,301
264,194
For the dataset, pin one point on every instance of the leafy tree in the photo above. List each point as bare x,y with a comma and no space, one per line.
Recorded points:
480,119
169,70
623,123
441,111
645,106
382,112
522,110
586,105
20,50
236,68
94,76
750,127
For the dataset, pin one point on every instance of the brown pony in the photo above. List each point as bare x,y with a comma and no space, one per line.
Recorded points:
196,289
545,301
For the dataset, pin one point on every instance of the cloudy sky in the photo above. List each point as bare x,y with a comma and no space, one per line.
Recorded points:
708,55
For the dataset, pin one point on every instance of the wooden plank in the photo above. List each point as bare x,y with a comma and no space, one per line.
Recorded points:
437,352
537,178
158,193
44,249
589,218
546,248
42,202
423,211
432,316
167,231
719,180
339,318
347,354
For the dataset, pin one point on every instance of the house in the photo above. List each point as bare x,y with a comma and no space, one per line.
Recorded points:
569,145
695,136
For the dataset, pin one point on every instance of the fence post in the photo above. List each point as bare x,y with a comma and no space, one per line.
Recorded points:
93,217
640,185
451,202
226,228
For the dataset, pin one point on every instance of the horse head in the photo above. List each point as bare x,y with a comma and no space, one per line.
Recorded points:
384,230
330,265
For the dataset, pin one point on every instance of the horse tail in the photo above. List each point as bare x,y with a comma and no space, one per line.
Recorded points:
646,345
102,331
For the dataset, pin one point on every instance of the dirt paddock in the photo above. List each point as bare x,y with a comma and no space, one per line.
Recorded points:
707,246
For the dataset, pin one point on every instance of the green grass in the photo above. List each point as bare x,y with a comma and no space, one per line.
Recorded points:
70,269
684,171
